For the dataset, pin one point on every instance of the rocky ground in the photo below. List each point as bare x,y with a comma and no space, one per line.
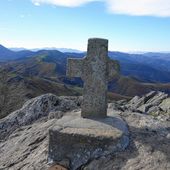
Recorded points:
24,133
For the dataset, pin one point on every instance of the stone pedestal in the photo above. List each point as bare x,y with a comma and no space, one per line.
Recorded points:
79,140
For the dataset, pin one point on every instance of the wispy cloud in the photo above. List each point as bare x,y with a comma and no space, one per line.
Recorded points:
140,7
36,3
128,7
67,3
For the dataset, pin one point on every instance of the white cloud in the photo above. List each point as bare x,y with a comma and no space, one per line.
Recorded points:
67,3
128,7
36,3
140,7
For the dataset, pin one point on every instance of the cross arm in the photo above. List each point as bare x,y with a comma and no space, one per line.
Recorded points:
74,67
113,69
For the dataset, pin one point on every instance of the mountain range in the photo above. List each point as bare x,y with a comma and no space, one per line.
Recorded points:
148,67
48,48
29,74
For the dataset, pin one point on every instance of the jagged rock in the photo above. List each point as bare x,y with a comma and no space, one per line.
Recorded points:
147,103
35,109
157,98
26,147
155,110
136,102
144,108
148,148
165,105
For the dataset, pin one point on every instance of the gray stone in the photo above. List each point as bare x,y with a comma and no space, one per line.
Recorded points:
147,103
150,95
137,103
96,69
27,147
157,99
165,105
35,109
80,140
168,136
148,150
156,109
55,115
144,108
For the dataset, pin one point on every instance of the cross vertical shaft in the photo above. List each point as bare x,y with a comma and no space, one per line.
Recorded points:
95,70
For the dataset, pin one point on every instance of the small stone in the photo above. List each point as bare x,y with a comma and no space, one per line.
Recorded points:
55,115
168,136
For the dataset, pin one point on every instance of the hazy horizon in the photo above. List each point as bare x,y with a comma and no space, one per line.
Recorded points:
51,48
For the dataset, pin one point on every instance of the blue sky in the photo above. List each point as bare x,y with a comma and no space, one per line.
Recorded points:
68,24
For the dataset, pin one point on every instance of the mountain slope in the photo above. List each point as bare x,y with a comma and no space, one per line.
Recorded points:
45,71
130,86
51,65
43,63
146,68
7,55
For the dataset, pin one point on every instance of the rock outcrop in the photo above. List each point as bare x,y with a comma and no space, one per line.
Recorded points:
148,149
44,106
154,103
25,146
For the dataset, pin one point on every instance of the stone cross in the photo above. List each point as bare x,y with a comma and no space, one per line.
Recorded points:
95,70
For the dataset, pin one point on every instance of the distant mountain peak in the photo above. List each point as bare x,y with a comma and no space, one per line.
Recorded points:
18,49
69,50
63,50
4,48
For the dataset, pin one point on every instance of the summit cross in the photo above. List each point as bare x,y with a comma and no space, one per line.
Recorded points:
96,69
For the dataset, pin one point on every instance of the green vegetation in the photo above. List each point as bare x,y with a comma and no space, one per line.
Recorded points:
10,94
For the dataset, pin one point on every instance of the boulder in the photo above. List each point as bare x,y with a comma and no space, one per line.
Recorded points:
36,109
165,105
137,101
146,103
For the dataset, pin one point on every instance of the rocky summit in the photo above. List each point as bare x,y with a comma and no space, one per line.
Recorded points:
145,122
